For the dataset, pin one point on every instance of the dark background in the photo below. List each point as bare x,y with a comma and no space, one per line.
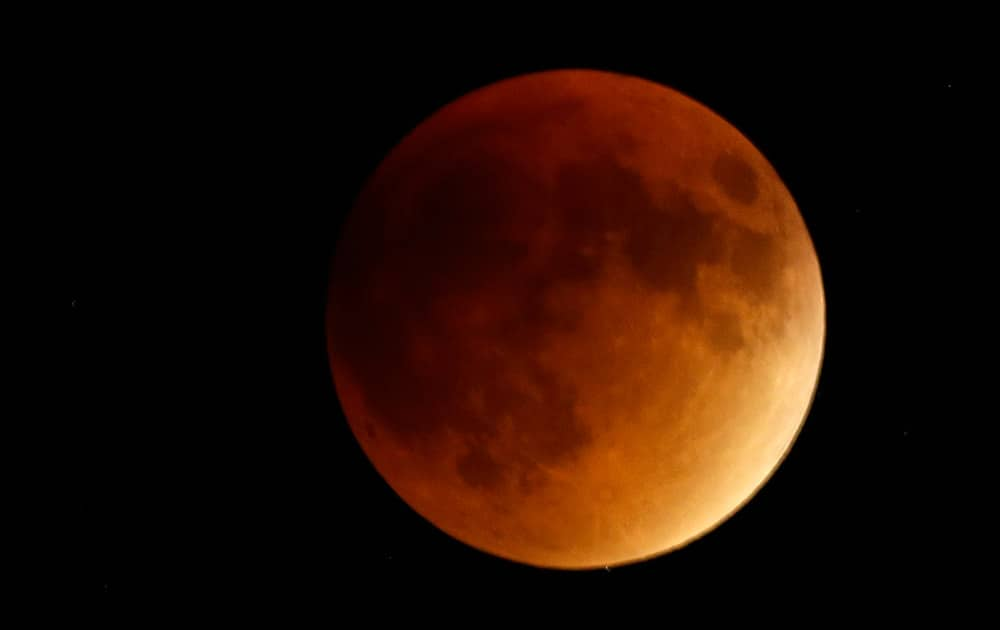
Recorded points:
206,180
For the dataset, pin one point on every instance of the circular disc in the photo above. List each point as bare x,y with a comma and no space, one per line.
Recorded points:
575,319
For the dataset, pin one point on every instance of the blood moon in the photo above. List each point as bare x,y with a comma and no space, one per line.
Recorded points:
575,319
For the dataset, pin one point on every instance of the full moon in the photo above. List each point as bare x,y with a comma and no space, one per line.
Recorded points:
575,319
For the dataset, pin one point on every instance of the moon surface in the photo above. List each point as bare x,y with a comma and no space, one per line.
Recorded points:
575,319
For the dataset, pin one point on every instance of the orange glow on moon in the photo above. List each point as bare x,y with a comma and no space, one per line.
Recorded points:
575,319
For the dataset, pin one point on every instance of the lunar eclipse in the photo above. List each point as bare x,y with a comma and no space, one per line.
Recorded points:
575,319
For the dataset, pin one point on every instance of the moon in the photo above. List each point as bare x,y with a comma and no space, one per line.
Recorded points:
575,319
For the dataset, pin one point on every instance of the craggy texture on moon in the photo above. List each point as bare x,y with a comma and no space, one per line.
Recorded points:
575,319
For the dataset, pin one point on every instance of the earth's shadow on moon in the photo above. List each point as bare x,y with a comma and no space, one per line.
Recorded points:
462,237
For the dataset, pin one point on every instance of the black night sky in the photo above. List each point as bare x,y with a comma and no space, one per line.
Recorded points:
207,183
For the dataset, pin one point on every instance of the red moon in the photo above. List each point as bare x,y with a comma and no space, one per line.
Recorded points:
575,319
